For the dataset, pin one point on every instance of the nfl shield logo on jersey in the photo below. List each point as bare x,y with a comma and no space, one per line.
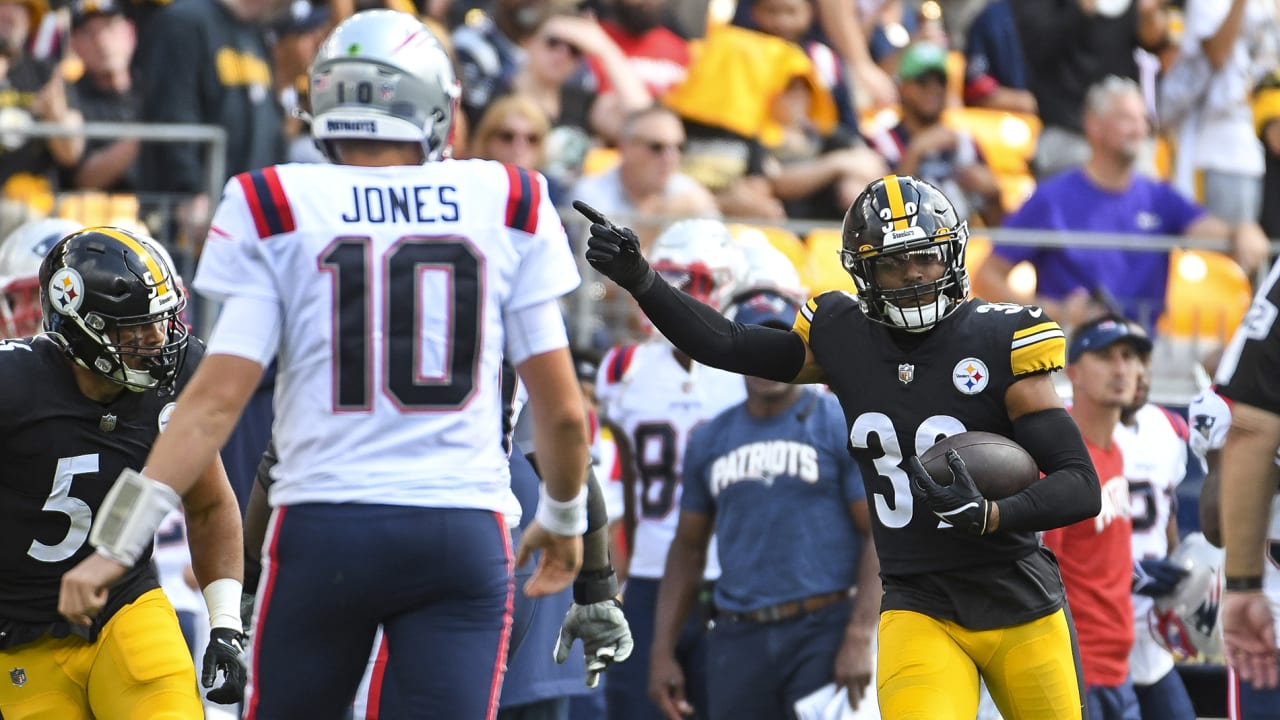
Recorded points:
18,676
906,373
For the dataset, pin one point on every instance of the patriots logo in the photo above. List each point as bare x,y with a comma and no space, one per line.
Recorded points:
1203,424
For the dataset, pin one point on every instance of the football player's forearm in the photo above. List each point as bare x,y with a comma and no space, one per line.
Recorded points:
256,517
712,339
1247,486
595,541
1069,492
214,532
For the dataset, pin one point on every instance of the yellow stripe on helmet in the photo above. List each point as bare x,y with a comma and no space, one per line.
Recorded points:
896,205
153,267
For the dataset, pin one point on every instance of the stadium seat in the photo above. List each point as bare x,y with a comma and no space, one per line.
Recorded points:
821,270
1015,188
598,160
1007,139
781,238
97,208
1208,296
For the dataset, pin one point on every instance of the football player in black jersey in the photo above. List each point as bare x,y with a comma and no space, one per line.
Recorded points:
78,404
968,589
1249,378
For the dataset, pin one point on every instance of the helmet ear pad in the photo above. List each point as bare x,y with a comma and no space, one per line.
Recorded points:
896,215
100,291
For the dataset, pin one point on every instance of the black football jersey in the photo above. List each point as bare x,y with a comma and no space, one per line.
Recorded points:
901,393
1249,371
62,453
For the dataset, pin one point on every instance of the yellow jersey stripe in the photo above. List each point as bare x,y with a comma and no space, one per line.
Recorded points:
153,267
1049,325
896,204
1041,356
804,319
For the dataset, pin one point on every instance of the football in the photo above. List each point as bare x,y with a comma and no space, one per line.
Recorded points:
999,466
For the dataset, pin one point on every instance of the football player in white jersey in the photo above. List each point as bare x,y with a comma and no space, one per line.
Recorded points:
1154,444
389,287
1210,416
655,395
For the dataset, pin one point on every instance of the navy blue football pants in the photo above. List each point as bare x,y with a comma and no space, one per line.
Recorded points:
438,580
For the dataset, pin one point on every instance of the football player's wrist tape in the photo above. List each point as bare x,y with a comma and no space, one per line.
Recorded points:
562,517
595,586
127,520
222,596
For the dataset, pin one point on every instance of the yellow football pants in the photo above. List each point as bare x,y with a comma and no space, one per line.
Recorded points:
927,669
139,669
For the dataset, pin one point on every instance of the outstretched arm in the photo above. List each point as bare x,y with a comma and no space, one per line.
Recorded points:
695,328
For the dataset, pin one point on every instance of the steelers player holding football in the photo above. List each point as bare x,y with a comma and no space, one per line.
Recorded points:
968,589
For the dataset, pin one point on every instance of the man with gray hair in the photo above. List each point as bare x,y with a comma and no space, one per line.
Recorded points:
1108,195
647,179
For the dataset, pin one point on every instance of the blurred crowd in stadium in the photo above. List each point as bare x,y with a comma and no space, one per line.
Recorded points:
770,112
1127,123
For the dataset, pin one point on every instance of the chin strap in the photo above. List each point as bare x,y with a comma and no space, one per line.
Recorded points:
929,315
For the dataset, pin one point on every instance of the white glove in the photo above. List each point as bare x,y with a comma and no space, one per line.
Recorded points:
606,637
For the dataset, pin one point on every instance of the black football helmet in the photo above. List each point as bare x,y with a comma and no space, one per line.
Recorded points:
98,283
893,218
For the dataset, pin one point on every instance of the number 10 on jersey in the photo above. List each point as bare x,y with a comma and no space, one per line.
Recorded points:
401,272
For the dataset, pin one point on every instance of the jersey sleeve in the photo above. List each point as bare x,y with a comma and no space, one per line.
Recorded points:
1250,365
695,474
812,312
233,261
547,269
1038,344
613,368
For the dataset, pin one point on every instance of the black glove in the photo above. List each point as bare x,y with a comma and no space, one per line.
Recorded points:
959,503
225,654
615,252
1156,577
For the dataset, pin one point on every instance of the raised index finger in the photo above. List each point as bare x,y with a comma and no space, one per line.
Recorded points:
591,213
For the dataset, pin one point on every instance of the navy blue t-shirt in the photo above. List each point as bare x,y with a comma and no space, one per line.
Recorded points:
779,489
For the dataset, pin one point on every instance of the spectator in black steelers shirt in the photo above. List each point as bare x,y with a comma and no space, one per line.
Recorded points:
31,91
104,40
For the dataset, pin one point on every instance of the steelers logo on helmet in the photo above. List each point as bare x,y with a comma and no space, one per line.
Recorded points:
66,291
904,246
110,297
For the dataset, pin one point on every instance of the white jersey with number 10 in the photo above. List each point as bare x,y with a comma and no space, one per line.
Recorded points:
395,287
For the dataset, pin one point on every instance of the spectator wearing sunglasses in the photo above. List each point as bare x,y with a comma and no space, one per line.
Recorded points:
514,130
557,77
647,180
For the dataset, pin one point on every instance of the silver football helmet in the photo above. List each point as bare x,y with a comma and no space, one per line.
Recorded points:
20,256
701,258
382,75
1187,621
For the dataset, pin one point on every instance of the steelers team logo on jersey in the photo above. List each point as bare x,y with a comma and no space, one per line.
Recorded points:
970,376
166,412
66,290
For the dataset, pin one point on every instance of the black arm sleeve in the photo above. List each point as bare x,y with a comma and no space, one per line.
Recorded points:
596,582
1069,492
712,339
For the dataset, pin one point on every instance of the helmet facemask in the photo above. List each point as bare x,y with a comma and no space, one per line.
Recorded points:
918,307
